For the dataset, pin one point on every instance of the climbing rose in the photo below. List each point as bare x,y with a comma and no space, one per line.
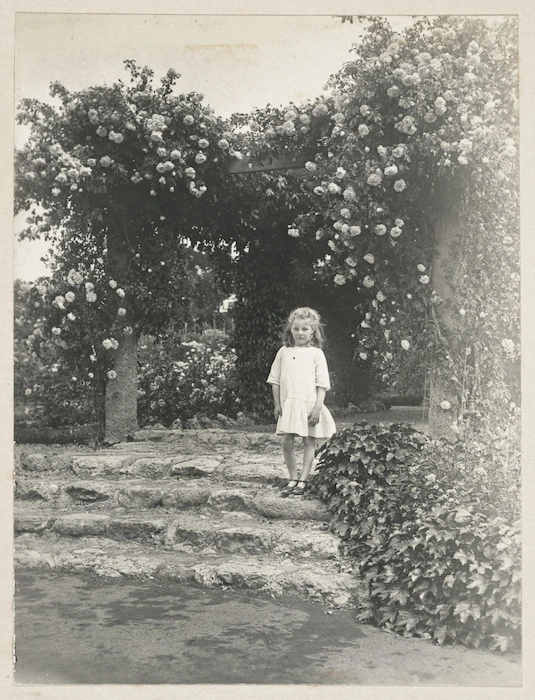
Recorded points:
363,355
56,331
113,284
74,278
345,213
363,130
368,282
310,166
380,229
349,194
445,405
399,185
121,311
91,297
395,232
70,297
405,344
111,374
339,279
421,267
374,180
355,230
294,232
71,316
333,188
508,345
380,296
424,279
369,258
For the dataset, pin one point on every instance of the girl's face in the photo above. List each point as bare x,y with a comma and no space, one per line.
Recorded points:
302,332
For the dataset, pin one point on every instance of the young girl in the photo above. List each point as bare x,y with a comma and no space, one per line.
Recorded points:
300,379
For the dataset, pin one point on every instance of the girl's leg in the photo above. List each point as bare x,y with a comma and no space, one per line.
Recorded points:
288,451
309,448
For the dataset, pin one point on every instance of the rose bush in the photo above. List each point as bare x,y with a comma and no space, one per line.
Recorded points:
193,378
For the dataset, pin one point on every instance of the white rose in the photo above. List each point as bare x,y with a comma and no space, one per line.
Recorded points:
424,279
405,344
421,268
445,405
368,282
369,258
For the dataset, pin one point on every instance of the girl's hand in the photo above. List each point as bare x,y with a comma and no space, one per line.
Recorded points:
314,415
277,412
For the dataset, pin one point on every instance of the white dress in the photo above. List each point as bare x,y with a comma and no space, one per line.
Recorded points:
298,371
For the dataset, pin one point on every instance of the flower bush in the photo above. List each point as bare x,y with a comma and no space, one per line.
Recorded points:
194,378
441,557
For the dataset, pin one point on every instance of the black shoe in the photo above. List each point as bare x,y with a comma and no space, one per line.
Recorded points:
289,488
300,490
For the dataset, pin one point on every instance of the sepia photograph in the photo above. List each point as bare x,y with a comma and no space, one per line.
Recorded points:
267,398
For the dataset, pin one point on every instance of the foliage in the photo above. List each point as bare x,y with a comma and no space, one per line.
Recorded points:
419,123
191,378
58,377
440,561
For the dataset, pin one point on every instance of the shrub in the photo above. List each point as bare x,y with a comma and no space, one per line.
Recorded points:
439,559
196,377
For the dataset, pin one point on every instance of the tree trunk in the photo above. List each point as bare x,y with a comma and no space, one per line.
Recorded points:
121,392
446,235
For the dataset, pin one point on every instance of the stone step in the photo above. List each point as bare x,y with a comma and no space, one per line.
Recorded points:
187,532
321,581
234,466
216,437
202,494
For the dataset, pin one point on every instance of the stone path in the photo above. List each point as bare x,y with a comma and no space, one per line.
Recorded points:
194,506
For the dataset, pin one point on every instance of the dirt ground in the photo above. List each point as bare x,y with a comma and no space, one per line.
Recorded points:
80,630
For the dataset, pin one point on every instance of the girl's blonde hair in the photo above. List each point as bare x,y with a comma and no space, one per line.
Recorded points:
304,313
